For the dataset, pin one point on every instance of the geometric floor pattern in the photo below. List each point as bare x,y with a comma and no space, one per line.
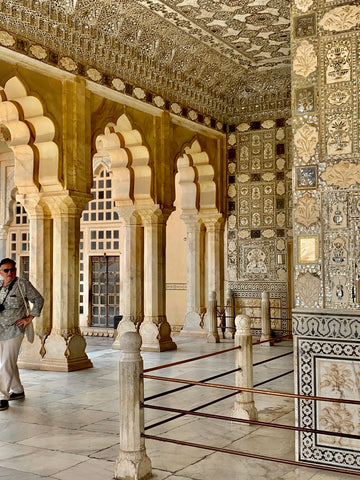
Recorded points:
67,426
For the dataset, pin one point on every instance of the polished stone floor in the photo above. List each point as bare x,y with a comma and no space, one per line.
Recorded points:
67,426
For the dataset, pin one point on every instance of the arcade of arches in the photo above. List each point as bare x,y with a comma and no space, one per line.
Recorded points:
117,202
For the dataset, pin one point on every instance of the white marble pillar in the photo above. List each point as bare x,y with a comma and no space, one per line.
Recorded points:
40,276
155,330
214,224
132,462
244,406
131,273
265,320
3,240
195,243
65,346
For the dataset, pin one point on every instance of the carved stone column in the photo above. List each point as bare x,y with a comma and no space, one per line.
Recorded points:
3,239
214,224
40,276
131,271
65,346
155,329
195,242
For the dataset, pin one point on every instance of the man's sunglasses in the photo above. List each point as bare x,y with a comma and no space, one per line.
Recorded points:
7,270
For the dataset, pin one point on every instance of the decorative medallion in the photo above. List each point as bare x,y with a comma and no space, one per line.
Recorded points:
231,139
338,215
304,5
243,127
256,261
305,59
268,233
343,174
159,101
38,51
268,124
118,84
139,93
94,74
6,39
307,211
244,234
305,139
304,100
68,64
341,18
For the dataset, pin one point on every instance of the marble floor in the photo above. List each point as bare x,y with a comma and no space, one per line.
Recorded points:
67,426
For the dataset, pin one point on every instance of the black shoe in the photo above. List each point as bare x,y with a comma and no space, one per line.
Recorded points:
16,396
4,404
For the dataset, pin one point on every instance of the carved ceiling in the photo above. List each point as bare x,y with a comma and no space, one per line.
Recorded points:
213,55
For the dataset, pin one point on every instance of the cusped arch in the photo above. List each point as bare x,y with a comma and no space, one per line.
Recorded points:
196,180
29,133
120,148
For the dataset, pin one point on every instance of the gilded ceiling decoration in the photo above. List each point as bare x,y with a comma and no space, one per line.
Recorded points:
214,55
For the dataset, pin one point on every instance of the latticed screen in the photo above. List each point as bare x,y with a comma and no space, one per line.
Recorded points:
101,208
105,288
19,244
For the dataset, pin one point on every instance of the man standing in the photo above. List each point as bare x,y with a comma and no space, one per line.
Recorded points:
14,317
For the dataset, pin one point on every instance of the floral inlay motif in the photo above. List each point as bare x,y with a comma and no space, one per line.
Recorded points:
339,97
339,139
338,378
337,418
304,5
305,60
341,18
305,139
307,212
308,288
343,174
338,63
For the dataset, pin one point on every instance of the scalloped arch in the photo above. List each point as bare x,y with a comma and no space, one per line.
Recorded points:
120,148
29,134
196,180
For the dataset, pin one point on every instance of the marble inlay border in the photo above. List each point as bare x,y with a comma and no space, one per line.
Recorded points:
310,449
326,324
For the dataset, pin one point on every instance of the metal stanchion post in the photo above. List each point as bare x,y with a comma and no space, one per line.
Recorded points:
132,462
265,320
244,406
213,335
230,314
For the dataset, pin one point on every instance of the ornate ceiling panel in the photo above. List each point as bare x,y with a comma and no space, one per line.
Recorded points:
214,55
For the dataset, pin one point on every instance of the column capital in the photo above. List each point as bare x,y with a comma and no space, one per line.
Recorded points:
66,203
154,215
212,220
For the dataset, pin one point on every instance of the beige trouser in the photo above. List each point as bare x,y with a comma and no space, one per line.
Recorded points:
9,372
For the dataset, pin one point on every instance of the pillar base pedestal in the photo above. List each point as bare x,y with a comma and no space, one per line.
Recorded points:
126,325
131,465
63,355
30,357
155,335
192,326
245,410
